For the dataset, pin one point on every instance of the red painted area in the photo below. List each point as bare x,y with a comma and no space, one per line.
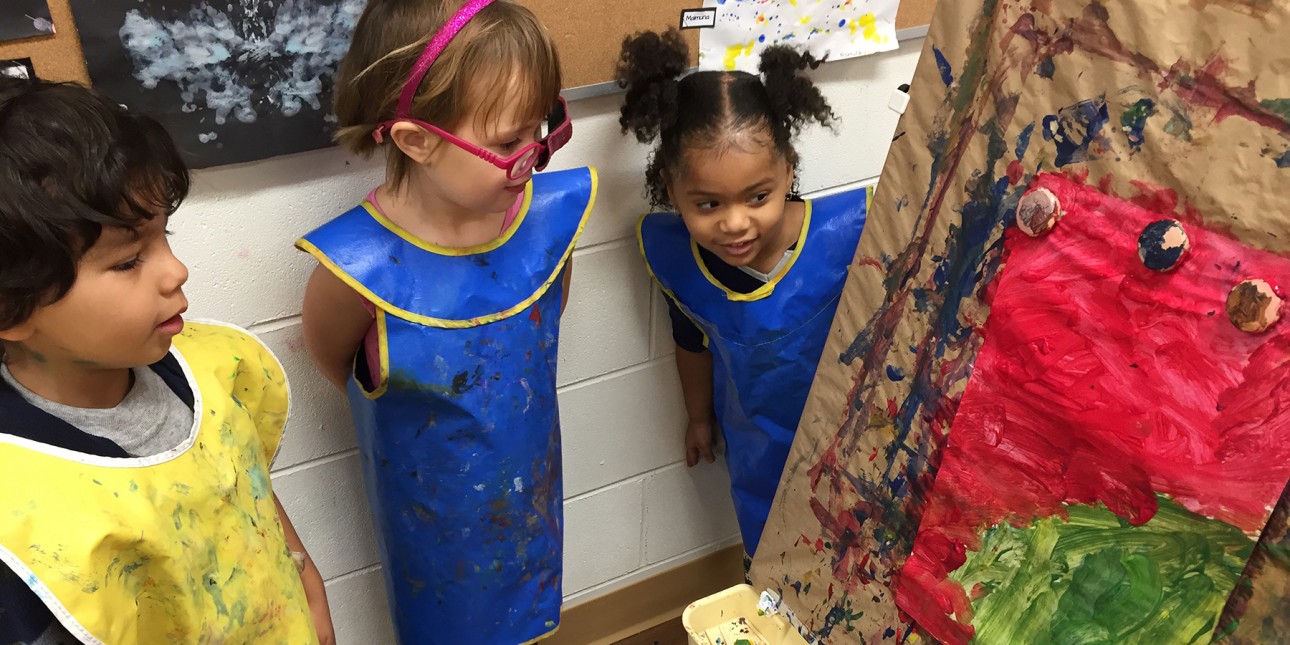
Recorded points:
1015,171
1206,87
1102,381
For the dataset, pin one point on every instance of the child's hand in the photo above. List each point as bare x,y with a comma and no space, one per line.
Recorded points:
316,595
310,579
322,619
698,443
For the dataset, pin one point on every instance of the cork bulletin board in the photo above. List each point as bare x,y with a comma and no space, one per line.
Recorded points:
231,108
588,35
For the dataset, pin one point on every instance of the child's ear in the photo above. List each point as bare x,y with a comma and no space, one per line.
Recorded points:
414,142
18,333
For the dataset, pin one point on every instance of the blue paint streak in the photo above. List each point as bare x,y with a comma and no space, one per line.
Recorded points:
947,74
1284,160
920,304
1073,129
1023,140
1046,68
897,486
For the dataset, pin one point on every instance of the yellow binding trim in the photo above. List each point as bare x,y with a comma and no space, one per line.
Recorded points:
447,323
383,348
490,245
640,244
769,287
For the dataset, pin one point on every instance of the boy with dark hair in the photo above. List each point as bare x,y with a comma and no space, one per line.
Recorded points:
135,447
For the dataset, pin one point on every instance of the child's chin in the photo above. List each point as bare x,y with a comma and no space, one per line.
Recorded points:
154,353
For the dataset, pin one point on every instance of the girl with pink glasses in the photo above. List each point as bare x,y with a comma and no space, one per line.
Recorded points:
436,306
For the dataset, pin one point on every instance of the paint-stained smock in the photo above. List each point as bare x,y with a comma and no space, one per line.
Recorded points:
765,344
460,435
180,547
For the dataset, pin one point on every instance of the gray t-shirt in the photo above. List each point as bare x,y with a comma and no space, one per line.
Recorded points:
151,419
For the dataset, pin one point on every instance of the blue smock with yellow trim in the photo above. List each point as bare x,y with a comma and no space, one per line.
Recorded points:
460,442
765,344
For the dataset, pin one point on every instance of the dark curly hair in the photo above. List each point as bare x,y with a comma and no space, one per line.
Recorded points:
707,108
72,161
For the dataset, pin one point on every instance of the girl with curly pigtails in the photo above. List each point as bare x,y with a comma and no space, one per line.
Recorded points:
752,273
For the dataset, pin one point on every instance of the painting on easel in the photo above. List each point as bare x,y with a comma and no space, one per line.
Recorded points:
1054,402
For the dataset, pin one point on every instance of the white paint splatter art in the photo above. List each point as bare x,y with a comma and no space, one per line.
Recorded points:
24,19
244,60
42,25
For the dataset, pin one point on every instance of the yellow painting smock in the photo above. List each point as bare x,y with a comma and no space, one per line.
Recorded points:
180,547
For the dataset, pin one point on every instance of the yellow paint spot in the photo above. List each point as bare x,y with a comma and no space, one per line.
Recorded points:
869,24
733,52
804,20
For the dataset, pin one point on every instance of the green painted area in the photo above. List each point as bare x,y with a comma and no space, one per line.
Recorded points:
1137,113
1093,578
1280,106
974,64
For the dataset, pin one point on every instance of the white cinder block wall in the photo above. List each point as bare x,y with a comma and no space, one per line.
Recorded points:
632,509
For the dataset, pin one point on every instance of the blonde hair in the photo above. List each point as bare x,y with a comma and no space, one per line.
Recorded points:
504,55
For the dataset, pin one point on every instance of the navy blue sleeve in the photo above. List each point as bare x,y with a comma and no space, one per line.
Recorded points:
23,617
687,335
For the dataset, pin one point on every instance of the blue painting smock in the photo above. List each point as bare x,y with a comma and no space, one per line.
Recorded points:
766,344
460,441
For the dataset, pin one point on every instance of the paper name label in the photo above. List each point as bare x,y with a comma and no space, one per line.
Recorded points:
699,18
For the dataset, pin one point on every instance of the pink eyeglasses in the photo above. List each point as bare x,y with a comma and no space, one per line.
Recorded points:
555,131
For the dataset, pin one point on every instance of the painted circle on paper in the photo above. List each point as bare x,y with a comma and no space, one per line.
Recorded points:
1038,212
1253,306
1162,245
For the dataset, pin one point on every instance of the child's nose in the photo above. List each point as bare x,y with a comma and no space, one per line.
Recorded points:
176,273
736,220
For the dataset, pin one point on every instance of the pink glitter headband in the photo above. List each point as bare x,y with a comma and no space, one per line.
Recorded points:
435,47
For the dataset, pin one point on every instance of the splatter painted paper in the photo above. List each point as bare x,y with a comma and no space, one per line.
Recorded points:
24,19
232,81
954,476
836,28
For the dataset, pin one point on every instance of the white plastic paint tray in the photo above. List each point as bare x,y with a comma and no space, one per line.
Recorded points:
729,616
